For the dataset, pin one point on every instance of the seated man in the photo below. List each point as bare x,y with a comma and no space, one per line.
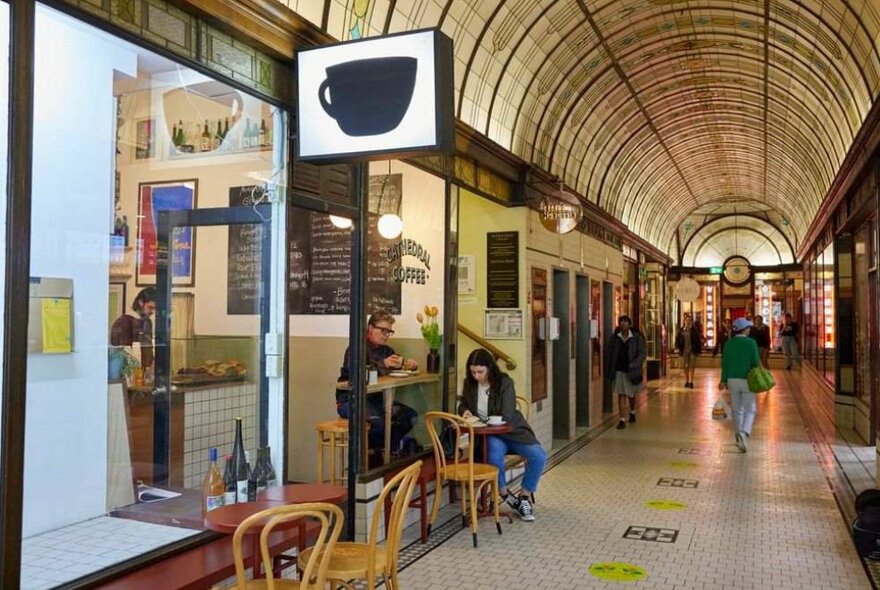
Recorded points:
383,359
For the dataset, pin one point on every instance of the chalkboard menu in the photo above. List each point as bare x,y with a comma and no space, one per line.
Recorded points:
243,271
320,267
502,273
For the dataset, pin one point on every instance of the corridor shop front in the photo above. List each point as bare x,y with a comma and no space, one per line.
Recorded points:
157,210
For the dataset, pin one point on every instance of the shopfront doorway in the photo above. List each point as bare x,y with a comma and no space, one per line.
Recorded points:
561,356
582,351
205,376
608,324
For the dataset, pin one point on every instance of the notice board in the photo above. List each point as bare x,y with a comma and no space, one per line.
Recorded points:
244,285
320,267
502,269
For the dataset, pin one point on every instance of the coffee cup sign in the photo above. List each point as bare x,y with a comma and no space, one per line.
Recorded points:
381,86
376,98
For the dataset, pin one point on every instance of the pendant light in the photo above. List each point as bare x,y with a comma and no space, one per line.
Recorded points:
390,225
340,222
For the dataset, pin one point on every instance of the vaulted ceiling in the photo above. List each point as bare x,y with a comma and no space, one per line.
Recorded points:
657,109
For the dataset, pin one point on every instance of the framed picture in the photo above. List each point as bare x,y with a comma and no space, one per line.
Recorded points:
117,301
144,139
163,196
503,323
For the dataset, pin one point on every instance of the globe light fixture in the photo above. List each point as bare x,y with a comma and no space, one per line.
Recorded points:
390,226
340,222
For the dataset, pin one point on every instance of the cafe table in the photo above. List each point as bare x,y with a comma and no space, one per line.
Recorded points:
387,386
226,519
483,433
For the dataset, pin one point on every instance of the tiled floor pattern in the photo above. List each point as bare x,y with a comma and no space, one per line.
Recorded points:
765,519
50,559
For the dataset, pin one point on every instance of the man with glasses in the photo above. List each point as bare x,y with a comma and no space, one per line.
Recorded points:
383,359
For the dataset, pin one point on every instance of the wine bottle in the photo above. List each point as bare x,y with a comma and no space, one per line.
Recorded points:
213,489
229,482
271,479
263,132
218,137
124,230
260,471
240,465
251,482
174,135
206,141
180,139
246,135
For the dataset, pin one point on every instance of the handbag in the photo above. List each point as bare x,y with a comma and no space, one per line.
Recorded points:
760,379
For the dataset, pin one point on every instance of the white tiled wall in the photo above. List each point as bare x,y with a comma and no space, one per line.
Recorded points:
209,421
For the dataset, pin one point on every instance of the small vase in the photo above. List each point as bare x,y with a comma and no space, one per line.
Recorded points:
433,362
114,368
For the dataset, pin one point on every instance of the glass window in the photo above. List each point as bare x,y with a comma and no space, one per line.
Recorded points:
150,316
829,337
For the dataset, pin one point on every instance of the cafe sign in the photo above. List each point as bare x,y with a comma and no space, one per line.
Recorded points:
378,98
409,274
561,212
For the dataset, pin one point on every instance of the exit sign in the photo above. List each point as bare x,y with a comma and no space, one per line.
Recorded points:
716,270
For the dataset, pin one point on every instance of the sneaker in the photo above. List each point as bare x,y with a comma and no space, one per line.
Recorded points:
632,417
741,443
525,509
621,425
511,500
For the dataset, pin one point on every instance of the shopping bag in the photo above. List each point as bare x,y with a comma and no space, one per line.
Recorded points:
760,379
721,409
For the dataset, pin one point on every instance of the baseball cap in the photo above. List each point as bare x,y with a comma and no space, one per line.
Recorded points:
741,324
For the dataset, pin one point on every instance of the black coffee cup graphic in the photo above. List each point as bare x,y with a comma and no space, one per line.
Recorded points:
369,96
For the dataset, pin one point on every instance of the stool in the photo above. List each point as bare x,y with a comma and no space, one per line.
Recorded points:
332,436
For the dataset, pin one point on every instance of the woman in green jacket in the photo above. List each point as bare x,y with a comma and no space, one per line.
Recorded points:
739,356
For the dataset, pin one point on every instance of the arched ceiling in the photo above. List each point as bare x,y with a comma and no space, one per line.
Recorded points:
656,109
749,236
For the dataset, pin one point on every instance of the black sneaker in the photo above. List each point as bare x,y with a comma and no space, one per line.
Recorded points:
632,417
512,501
524,510
621,425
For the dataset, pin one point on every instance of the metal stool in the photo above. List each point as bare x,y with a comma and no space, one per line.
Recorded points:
333,436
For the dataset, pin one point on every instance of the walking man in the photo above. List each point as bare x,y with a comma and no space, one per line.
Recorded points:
790,347
760,333
624,355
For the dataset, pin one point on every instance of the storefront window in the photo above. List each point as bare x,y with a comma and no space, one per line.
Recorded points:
154,267
861,311
829,339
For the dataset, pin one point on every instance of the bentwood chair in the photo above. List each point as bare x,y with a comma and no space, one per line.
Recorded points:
368,561
329,518
525,408
462,469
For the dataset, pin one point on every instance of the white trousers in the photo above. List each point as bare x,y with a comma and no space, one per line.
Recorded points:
744,406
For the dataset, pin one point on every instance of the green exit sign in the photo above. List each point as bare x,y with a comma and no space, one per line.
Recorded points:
716,270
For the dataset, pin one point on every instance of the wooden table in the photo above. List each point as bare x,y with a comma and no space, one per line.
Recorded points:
387,385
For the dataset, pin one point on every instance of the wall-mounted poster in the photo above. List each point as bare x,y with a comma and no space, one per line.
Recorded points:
503,323
162,196
144,142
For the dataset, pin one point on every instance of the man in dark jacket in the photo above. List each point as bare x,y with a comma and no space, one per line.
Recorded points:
760,333
624,355
689,344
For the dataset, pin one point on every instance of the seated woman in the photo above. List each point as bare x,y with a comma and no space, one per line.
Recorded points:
489,392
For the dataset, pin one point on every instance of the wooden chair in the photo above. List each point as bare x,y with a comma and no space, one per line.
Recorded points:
367,561
461,469
332,437
525,408
330,518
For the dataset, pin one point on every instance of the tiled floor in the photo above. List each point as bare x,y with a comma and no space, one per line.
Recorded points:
765,519
50,559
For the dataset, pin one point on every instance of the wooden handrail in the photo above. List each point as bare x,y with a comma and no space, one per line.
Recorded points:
496,352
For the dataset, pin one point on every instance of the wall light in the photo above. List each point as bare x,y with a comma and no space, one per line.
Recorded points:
390,226
340,222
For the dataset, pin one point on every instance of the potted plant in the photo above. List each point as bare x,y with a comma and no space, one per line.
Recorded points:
431,334
120,363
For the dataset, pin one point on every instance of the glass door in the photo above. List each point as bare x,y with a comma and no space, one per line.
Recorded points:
210,366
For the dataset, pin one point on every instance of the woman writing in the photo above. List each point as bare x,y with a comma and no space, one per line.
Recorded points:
489,392
739,357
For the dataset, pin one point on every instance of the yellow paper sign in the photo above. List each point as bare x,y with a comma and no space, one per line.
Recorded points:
56,326
684,464
615,571
665,505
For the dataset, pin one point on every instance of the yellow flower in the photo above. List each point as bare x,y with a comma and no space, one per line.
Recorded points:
419,317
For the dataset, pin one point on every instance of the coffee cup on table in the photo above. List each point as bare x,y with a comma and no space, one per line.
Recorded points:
496,420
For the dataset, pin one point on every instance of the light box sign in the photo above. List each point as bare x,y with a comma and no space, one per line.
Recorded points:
376,98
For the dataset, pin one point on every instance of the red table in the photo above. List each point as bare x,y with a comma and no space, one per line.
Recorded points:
485,432
227,518
303,493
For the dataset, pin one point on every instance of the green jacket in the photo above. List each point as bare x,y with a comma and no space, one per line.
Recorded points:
739,356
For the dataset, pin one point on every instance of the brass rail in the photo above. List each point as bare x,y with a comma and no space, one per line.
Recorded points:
496,352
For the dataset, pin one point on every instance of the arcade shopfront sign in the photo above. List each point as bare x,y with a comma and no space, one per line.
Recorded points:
560,213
